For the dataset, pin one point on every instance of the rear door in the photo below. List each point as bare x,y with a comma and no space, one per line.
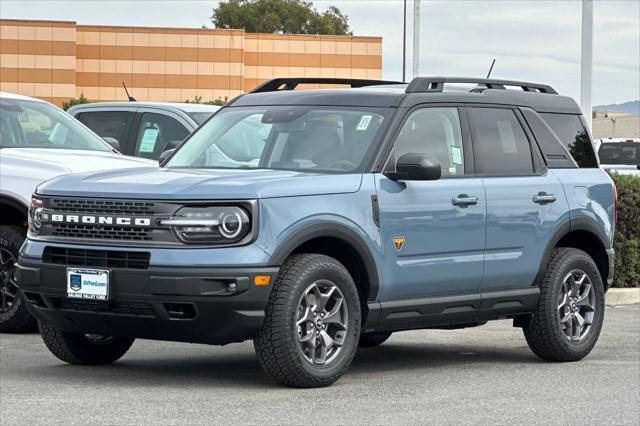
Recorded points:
525,202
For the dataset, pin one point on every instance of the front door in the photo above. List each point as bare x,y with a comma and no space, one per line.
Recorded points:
433,232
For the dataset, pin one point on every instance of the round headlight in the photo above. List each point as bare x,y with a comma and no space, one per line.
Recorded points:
210,225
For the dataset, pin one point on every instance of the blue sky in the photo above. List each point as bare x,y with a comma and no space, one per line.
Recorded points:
531,40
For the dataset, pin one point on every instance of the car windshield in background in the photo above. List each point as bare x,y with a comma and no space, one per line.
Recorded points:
310,138
620,153
30,124
200,117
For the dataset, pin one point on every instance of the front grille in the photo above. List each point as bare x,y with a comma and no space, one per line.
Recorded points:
139,309
96,258
105,233
102,206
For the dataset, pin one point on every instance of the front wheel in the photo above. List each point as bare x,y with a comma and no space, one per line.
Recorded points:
83,349
312,323
14,315
570,310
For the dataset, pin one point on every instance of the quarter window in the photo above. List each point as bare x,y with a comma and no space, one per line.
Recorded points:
573,135
501,145
436,133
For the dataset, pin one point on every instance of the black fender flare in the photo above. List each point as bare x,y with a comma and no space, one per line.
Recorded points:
582,223
335,230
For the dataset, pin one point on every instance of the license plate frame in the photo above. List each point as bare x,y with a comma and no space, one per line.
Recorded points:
88,284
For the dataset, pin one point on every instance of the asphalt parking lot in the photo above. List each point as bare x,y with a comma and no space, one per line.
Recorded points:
485,375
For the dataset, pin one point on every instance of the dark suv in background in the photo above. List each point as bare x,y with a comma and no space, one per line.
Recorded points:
143,129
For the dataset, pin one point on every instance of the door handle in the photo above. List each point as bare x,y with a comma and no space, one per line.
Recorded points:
543,198
464,200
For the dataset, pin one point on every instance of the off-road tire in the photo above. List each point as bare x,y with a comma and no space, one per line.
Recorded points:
276,343
17,319
369,340
76,348
544,333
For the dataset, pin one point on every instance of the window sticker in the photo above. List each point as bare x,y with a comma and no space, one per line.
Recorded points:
149,138
456,155
507,137
364,122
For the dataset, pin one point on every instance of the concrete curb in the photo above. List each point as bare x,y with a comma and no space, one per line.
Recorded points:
622,296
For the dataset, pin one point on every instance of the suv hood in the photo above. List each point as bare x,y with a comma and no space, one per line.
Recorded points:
199,184
62,161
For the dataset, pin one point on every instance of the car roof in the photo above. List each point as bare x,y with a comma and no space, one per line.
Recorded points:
7,95
395,95
180,106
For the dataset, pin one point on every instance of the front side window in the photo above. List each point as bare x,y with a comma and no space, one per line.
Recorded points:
436,133
501,145
155,132
571,132
31,124
309,138
111,124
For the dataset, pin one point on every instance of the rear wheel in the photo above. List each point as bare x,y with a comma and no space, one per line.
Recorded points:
83,349
570,310
14,316
368,340
312,323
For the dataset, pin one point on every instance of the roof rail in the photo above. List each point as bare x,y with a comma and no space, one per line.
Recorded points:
291,83
436,84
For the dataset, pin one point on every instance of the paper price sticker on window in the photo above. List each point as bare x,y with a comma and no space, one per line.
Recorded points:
364,122
456,155
149,138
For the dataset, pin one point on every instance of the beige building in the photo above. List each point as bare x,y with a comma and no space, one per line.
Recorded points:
615,125
56,60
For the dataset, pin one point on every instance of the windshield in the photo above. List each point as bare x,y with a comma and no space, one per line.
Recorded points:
310,138
31,124
200,117
619,153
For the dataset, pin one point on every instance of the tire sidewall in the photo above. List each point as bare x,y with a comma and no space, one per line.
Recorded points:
11,241
577,260
341,278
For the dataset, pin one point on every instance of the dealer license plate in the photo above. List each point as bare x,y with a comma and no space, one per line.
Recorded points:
85,283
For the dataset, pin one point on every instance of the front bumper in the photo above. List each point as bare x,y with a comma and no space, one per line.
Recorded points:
200,305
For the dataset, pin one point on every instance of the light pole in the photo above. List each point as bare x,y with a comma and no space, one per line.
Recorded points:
586,61
404,42
416,38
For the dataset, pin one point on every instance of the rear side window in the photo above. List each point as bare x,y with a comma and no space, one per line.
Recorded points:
501,146
571,132
156,132
112,124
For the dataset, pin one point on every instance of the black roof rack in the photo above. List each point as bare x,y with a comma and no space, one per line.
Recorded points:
292,82
436,84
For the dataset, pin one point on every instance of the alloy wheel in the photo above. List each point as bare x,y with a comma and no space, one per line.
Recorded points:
321,322
576,305
8,286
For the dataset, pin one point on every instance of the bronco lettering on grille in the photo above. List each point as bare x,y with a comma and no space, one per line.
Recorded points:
100,220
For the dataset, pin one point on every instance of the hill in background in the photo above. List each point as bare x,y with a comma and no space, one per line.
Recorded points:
632,107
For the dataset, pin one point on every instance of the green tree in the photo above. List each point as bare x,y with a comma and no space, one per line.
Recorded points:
279,16
74,101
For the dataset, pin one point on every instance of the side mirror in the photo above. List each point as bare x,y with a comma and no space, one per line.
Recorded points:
113,142
416,167
165,154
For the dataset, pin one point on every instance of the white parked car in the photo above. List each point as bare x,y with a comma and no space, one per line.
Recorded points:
620,156
38,141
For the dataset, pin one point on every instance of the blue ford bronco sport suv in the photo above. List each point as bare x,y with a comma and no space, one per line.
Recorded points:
334,218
